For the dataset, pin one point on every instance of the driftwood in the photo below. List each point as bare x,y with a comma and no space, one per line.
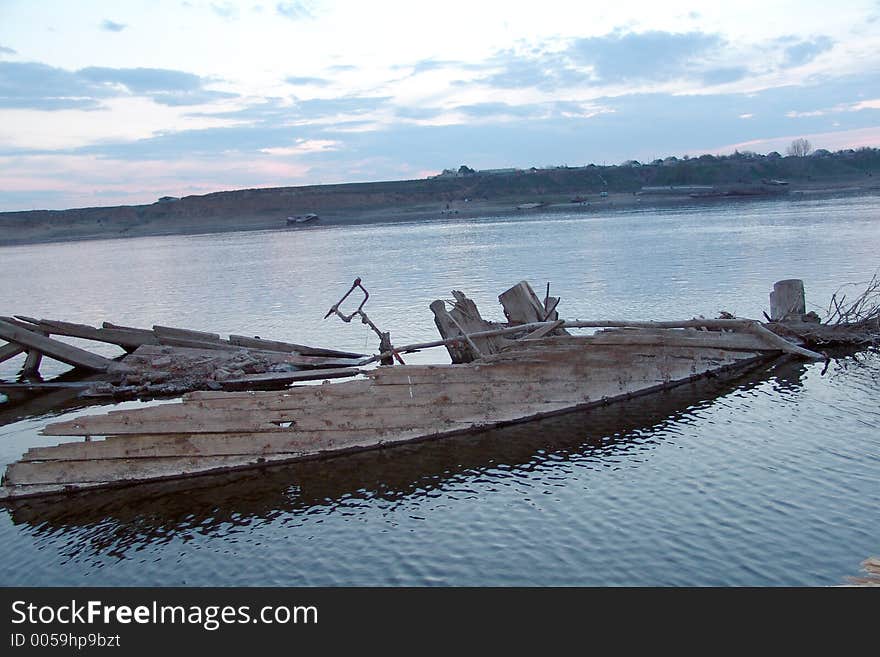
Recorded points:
167,360
772,340
58,350
864,309
465,330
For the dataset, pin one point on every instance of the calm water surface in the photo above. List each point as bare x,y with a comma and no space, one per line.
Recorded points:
773,479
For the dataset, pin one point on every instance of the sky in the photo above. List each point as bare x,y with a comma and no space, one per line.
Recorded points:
108,103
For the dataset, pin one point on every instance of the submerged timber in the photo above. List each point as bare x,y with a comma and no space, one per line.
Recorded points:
502,374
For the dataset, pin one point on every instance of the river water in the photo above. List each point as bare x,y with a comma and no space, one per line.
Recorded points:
773,479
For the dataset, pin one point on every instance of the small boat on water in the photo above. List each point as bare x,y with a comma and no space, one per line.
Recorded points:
527,368
302,219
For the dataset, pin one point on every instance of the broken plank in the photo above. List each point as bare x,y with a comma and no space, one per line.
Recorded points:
275,378
683,338
163,332
182,419
53,348
196,344
289,347
543,330
122,338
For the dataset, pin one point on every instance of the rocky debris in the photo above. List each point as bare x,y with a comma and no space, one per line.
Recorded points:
153,370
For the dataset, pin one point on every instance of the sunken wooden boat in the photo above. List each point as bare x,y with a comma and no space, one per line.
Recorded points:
528,368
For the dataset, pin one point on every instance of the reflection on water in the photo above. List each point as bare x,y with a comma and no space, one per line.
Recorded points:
768,480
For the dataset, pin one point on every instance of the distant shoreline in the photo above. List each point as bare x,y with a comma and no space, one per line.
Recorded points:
47,233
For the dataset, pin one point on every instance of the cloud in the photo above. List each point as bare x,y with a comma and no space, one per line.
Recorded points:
207,142
614,58
306,80
293,10
646,55
143,80
314,108
111,26
164,86
554,109
724,75
806,51
225,9
303,147
547,72
7,51
31,85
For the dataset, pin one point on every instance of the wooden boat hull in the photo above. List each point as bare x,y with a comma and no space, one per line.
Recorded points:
210,432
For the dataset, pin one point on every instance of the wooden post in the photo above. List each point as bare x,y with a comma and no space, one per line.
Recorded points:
787,300
522,306
385,347
32,363
459,351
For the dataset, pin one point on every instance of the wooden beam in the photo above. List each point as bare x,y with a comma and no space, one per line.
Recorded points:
123,338
163,332
53,348
10,350
276,378
544,330
289,347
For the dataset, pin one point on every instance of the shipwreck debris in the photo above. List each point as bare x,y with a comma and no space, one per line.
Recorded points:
167,360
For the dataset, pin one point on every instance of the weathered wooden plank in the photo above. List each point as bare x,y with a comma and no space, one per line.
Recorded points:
76,472
403,396
188,343
53,348
543,330
129,329
276,378
302,441
682,338
187,444
289,347
163,332
180,419
10,350
345,388
27,326
124,338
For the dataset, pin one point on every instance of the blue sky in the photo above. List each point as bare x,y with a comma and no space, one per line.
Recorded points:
106,103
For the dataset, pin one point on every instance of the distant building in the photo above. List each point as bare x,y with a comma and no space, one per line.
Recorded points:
168,199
